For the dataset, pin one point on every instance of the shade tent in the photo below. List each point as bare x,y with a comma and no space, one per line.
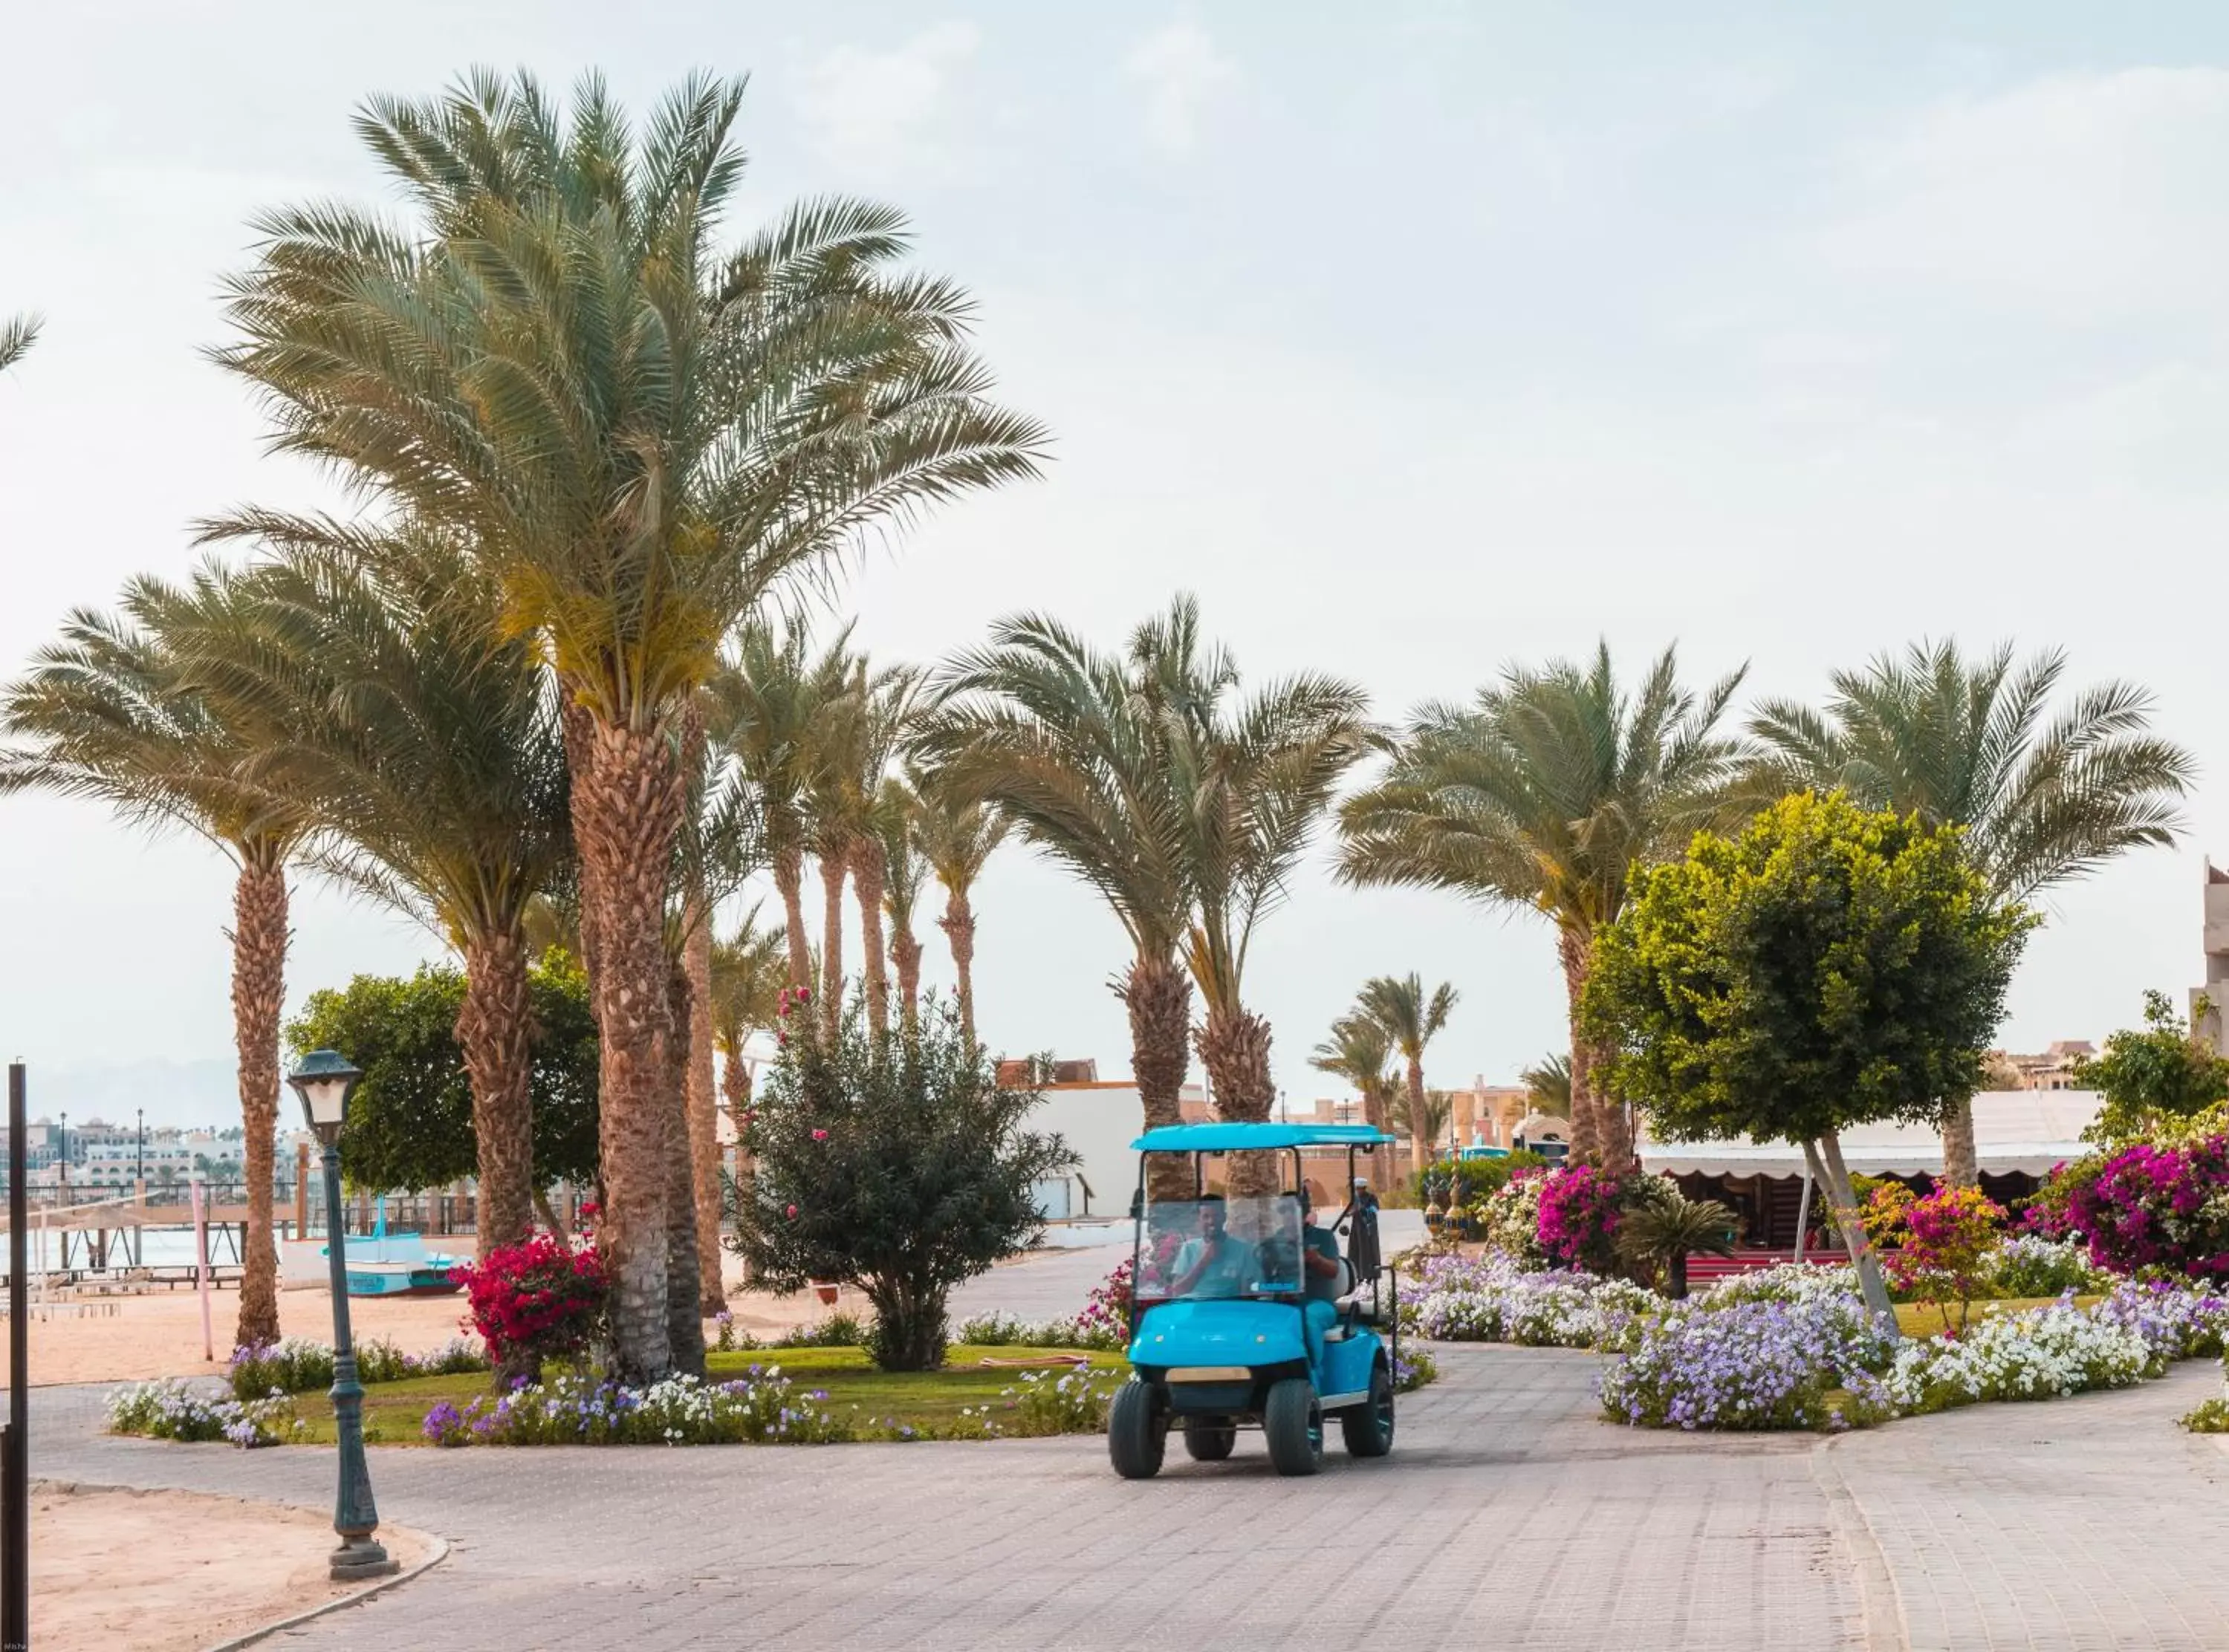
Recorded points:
2016,1132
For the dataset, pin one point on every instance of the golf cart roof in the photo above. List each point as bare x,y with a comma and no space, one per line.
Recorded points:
1235,1137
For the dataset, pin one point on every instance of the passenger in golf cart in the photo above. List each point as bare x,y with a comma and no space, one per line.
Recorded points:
1246,1314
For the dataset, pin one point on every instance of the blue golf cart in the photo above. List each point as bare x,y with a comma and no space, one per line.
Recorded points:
1246,1314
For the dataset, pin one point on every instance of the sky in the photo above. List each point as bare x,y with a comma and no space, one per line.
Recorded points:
1416,340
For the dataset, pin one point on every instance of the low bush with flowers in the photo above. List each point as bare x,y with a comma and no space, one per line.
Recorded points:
1580,1206
2146,1205
1414,1368
2028,1264
2040,1354
301,1364
1489,1298
1936,1247
2212,1416
173,1408
760,1406
1509,1218
1762,1363
541,1300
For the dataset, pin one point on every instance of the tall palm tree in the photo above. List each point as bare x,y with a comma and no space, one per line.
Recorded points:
17,335
375,676
1544,793
765,703
1410,1018
905,871
1360,1051
749,974
2044,797
886,704
957,833
1548,1085
1187,807
103,715
641,436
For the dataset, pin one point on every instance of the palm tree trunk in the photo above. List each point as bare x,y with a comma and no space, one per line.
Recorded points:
1419,1148
1158,996
1234,1047
831,941
789,879
627,805
495,1030
905,953
735,1086
259,987
1600,1133
959,926
703,1103
867,872
1960,1161
684,1319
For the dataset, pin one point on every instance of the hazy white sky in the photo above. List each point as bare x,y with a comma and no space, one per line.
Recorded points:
1415,338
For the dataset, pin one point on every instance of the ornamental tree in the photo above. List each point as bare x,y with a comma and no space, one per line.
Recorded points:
1826,967
2152,1076
894,1162
1936,1247
410,1123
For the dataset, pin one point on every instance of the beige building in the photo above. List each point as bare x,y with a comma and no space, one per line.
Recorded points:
2052,1070
2209,1022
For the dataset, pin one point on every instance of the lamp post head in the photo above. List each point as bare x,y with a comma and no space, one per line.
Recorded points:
324,1080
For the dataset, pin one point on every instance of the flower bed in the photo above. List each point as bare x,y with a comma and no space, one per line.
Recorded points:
171,1408
299,1365
1492,1299
1755,1364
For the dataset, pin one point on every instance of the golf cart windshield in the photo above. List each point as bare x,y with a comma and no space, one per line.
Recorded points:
1201,1249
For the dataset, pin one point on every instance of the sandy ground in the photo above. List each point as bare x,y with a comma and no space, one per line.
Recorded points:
159,1334
232,1567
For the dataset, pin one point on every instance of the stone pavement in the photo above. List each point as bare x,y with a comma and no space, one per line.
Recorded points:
1507,1516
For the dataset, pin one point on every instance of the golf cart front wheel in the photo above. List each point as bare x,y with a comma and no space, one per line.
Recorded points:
1368,1427
1292,1423
1208,1441
1136,1434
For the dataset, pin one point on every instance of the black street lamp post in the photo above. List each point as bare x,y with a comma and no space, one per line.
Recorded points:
141,1174
324,1080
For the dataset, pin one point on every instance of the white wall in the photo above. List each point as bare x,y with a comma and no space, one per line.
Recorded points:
1098,1122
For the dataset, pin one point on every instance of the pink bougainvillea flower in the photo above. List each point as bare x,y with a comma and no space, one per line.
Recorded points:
820,1136
792,1210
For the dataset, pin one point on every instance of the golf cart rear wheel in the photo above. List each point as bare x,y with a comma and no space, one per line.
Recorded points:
1136,1432
1292,1422
1207,1440
1369,1427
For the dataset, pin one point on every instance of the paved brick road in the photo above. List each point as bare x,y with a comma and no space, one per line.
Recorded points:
1507,1517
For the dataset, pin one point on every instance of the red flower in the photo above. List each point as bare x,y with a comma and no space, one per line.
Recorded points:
792,1210
820,1136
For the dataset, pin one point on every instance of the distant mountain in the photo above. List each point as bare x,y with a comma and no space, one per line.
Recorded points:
173,1092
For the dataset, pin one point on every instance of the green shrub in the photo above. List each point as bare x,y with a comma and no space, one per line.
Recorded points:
1471,1180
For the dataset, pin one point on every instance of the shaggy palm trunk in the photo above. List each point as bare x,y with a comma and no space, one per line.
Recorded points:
495,1031
1600,1133
1234,1047
1419,1148
735,1086
1378,1167
1158,996
832,942
703,1104
259,986
789,879
959,926
684,1320
905,953
1960,1163
868,872
627,802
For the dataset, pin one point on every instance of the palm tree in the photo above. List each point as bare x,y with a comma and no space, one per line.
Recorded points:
1966,743
640,437
1439,1109
749,973
1359,1052
766,703
1187,811
957,833
17,335
904,871
1663,1233
375,677
103,715
1548,1086
885,705
1410,1018
1544,793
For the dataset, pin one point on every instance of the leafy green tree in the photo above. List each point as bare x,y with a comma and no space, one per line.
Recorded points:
1828,967
641,436
2044,797
410,1125
893,1161
2150,1075
1545,794
107,713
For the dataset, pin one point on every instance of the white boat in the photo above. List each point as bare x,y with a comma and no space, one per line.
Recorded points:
397,1264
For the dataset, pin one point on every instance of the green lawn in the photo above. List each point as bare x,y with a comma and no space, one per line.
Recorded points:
1925,1319
394,1411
